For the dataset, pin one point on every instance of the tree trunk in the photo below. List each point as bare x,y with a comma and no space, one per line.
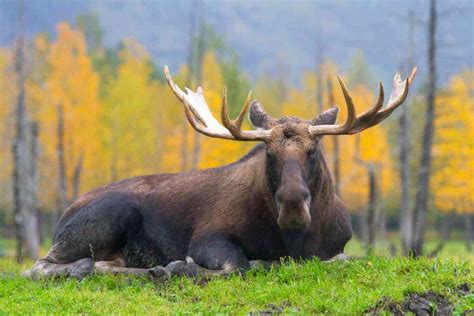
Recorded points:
76,178
363,229
17,200
62,177
381,215
35,177
19,148
30,217
114,154
469,231
422,188
406,213
446,226
319,79
372,206
335,139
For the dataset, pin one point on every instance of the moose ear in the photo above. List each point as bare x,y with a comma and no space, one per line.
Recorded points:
328,117
258,117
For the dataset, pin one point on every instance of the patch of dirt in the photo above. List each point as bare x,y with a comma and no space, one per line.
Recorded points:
421,304
272,309
428,304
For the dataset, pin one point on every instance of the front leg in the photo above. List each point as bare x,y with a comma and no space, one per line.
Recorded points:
214,255
217,252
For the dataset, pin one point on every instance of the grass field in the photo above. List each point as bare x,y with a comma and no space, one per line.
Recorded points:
312,287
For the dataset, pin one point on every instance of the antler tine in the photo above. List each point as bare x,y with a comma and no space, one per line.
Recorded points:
224,110
377,106
180,94
244,110
412,74
340,129
351,114
392,106
176,90
234,126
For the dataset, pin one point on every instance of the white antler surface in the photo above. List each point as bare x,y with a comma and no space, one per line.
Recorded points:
200,117
199,107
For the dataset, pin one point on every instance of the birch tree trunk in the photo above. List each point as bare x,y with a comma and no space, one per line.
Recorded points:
19,148
31,229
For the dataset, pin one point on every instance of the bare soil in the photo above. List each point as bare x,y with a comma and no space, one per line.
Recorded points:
421,304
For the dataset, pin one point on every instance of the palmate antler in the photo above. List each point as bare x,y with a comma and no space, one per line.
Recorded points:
356,124
200,116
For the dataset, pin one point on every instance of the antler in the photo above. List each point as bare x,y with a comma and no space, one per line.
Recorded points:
201,119
355,124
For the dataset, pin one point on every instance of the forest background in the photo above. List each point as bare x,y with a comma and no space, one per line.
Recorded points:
84,103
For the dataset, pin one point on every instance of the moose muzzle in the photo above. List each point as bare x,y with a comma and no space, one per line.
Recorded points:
293,199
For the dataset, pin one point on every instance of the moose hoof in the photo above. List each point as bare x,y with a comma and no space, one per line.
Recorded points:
81,268
159,272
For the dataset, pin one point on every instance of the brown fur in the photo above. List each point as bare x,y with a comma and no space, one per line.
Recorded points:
277,201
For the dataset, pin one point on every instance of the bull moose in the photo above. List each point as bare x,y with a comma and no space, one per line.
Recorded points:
277,201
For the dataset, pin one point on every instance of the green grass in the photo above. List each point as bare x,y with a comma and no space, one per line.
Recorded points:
453,249
311,287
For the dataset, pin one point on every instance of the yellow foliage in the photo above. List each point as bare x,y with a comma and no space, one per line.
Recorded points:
172,118
131,116
73,85
453,151
7,101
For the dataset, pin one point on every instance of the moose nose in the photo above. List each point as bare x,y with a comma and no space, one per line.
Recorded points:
294,209
293,197
291,218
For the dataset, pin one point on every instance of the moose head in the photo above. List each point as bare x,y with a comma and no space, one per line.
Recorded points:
292,144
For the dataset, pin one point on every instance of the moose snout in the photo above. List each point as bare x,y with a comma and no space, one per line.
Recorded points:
294,209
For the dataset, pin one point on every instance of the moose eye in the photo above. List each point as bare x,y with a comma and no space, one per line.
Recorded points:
311,151
270,154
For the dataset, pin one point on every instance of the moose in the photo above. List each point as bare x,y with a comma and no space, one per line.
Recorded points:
277,201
